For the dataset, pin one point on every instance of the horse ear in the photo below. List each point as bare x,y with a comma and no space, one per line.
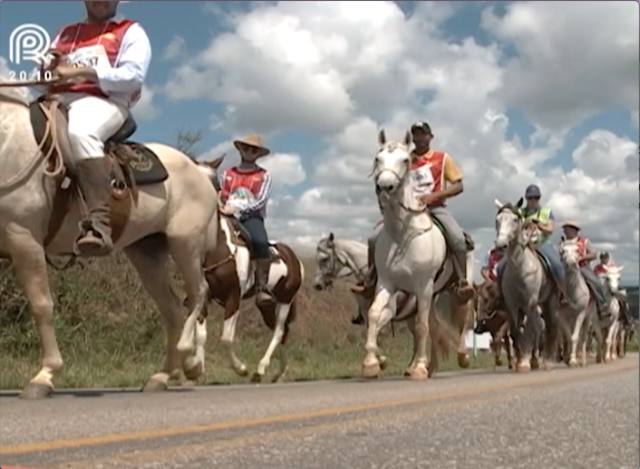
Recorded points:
498,203
382,138
520,202
215,164
407,138
331,237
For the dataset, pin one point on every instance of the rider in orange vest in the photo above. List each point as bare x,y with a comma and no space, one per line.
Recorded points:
102,65
571,231
436,178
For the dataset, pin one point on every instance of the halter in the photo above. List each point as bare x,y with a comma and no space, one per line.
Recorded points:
335,259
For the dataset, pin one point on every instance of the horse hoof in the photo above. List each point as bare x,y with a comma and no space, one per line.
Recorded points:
419,373
194,372
499,362
523,368
155,385
573,363
371,371
463,360
36,391
256,378
383,362
243,372
547,365
534,364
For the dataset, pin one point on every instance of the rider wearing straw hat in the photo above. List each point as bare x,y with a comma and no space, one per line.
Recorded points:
245,192
571,231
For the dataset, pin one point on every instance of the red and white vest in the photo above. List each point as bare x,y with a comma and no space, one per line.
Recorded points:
427,174
494,258
582,250
88,44
252,180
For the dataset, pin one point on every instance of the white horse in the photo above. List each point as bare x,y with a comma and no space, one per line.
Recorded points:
580,312
167,220
526,289
613,324
409,253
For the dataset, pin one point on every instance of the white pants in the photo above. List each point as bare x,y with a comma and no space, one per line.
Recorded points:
92,120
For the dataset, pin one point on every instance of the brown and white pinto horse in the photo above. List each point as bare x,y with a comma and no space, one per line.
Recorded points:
229,271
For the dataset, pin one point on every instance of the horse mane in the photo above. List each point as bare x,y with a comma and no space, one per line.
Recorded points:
14,95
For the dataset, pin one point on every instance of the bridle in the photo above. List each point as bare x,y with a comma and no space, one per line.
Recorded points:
333,272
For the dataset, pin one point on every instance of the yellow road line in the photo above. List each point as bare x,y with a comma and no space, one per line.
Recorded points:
26,448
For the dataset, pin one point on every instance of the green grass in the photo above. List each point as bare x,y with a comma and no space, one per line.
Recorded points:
111,335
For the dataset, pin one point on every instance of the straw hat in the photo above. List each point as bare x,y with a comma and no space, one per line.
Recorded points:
253,140
572,224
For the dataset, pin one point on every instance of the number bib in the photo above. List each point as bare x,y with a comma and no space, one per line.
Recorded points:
90,56
422,180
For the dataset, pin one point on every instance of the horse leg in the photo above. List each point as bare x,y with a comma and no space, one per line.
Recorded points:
461,320
609,343
419,370
575,337
31,270
550,316
187,252
232,313
379,314
150,258
282,313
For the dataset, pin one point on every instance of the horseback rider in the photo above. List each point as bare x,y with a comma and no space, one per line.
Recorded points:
545,221
435,177
489,270
245,191
101,64
605,263
571,231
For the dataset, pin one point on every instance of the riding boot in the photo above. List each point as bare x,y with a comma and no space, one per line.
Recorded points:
464,291
264,297
94,179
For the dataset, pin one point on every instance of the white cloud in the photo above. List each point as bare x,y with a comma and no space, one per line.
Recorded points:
146,109
571,60
285,168
339,71
176,49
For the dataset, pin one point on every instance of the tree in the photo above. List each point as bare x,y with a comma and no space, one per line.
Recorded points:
186,140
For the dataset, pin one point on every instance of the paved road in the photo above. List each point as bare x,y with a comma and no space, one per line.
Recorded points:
561,418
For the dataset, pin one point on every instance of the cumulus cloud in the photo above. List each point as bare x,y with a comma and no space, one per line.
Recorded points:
177,48
570,61
146,109
285,168
340,71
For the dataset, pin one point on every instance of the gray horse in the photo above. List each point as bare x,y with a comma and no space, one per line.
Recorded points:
527,290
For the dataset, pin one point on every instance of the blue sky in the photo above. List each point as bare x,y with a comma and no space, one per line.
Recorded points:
550,111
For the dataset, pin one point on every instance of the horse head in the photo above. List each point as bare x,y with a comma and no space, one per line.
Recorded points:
509,222
392,164
612,278
487,302
210,169
327,260
569,252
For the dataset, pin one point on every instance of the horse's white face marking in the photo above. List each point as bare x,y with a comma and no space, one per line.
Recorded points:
391,167
612,278
507,227
569,252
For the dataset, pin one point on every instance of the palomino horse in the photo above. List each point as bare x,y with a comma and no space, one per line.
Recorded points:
612,325
229,271
525,287
576,317
410,256
491,317
167,219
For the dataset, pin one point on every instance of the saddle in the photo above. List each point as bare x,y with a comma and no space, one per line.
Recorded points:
133,163
467,237
241,237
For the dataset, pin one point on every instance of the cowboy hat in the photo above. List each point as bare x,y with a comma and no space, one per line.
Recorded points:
572,224
253,140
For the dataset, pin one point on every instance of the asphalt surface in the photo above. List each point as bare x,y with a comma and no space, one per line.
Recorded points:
481,419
